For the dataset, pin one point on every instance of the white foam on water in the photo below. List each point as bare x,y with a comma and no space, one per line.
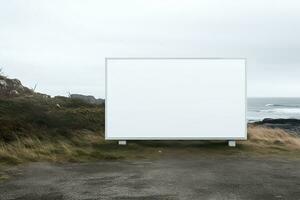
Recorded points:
269,104
283,110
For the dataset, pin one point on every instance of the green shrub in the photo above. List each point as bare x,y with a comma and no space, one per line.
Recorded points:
53,116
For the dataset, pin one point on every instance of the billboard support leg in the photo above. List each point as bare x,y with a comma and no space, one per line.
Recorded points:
231,143
122,142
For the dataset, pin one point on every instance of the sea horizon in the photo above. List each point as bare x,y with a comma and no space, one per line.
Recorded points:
259,108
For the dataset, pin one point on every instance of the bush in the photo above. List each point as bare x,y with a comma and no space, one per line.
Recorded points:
34,115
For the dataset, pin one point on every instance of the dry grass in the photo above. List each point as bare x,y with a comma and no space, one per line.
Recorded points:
90,146
271,142
79,147
82,146
269,137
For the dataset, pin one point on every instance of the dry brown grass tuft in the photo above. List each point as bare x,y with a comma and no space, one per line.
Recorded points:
261,137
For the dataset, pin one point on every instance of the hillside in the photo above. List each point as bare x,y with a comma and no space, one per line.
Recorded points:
34,126
24,112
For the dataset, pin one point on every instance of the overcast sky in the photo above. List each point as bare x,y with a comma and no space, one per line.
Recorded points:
61,45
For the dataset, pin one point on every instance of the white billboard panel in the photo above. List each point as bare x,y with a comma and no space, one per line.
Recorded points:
175,99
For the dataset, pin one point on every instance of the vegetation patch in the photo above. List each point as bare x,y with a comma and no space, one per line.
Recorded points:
36,128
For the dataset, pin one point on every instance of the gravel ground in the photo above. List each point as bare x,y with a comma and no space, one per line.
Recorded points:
206,177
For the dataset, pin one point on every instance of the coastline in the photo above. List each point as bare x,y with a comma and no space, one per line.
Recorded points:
290,125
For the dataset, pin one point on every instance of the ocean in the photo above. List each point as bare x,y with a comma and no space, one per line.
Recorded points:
260,108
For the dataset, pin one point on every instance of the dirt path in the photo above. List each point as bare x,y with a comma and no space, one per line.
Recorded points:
170,178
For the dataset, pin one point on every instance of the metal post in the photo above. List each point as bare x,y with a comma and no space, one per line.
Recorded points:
122,142
232,143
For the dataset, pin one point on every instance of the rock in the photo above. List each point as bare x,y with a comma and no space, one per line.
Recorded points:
14,92
88,99
3,83
291,124
16,83
281,121
58,106
12,88
44,96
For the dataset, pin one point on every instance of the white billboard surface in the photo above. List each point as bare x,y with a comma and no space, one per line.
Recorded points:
175,99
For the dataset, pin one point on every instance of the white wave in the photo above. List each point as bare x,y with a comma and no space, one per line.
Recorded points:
283,110
281,105
269,104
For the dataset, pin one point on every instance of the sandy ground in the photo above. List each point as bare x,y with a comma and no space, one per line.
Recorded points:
202,177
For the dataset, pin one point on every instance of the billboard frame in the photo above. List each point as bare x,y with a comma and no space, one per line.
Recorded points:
123,139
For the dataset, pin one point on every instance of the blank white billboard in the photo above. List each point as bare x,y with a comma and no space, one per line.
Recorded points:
175,99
